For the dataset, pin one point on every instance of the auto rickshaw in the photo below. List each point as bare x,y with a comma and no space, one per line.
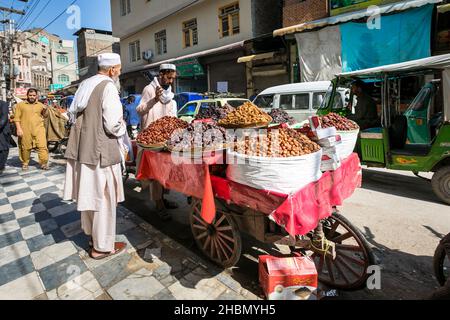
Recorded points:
414,136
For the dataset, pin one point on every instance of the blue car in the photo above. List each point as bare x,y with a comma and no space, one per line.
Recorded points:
185,97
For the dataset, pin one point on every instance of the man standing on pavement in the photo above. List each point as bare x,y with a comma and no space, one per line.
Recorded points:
132,117
29,119
5,134
158,102
94,176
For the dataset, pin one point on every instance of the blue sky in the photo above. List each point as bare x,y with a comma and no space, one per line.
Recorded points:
94,14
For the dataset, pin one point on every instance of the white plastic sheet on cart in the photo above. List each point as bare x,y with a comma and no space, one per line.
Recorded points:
349,140
284,175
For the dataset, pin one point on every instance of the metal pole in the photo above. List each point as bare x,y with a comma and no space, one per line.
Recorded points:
11,58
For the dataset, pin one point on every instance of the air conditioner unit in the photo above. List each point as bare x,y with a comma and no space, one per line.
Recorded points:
148,55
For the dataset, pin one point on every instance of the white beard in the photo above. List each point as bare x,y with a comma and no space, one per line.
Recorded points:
117,83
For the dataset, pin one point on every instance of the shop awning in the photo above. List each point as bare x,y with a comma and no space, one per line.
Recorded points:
385,9
262,56
229,47
436,62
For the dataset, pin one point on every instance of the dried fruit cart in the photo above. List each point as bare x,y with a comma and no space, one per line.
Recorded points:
306,221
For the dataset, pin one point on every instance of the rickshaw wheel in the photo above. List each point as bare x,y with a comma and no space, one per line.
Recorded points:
221,241
348,271
441,261
441,184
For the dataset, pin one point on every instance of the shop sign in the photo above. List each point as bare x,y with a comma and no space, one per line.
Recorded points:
338,7
56,86
21,91
188,68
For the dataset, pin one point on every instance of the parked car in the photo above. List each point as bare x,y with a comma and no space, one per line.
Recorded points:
300,100
190,110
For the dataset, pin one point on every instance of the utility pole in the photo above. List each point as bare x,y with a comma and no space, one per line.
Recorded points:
8,40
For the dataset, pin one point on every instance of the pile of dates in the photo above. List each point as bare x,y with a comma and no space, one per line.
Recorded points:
215,113
246,115
282,143
160,131
198,136
339,122
280,116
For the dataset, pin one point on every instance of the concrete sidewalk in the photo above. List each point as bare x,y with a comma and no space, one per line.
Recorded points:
43,251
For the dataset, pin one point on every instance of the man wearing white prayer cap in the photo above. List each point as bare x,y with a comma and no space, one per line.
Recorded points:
158,102
94,174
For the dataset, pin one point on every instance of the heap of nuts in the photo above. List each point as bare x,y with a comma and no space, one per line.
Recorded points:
198,135
282,143
215,113
246,115
339,122
281,116
160,131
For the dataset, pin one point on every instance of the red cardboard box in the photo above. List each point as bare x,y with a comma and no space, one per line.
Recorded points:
291,278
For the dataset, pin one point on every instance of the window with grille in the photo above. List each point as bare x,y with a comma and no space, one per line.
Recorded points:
190,33
135,51
229,20
63,78
125,7
62,59
161,42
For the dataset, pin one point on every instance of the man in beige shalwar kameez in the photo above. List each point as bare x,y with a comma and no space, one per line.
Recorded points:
94,175
157,102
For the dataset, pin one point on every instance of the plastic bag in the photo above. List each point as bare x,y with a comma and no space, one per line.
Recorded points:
284,175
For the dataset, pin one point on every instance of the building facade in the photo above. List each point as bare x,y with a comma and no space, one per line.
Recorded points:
204,39
45,61
64,64
91,43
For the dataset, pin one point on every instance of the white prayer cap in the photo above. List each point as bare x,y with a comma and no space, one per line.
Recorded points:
109,60
167,66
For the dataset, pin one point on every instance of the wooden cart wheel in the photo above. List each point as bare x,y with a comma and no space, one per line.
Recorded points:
221,241
353,256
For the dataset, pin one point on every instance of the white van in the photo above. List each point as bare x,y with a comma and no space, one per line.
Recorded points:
300,100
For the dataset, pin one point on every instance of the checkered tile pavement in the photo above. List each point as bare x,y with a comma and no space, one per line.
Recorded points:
43,251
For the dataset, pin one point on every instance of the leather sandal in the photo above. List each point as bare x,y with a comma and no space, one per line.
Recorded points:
118,248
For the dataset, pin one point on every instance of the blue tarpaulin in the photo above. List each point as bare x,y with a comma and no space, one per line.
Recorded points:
401,37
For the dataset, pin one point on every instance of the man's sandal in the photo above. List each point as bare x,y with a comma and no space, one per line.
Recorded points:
25,168
45,167
118,248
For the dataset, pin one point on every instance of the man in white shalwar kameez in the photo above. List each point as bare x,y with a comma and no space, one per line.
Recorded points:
158,102
94,175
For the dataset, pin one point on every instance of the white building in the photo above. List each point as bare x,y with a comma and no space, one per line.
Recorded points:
204,38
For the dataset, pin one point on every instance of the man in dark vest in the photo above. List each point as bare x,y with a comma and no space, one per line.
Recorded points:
94,175
5,135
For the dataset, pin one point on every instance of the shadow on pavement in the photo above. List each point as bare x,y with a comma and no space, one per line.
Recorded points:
404,276
399,185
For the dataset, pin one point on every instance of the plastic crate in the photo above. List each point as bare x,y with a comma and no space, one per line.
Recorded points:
372,146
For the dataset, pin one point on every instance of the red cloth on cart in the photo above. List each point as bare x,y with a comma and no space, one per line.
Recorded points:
299,213
180,175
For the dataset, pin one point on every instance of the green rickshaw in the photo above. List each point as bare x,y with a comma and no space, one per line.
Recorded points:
414,136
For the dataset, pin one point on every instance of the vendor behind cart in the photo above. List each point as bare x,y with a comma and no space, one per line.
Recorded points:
158,102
